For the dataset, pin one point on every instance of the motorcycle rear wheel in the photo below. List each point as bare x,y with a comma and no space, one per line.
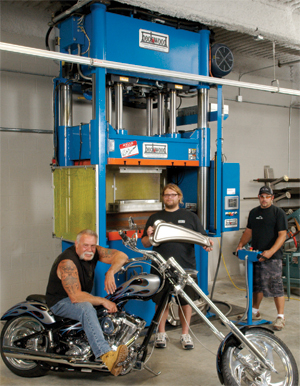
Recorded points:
235,360
18,328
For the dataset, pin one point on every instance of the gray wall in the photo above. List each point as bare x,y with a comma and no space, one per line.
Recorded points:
27,248
255,134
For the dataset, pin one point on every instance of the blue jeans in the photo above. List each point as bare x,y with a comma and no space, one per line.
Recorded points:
86,314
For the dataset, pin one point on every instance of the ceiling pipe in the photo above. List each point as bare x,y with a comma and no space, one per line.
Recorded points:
142,69
288,63
17,130
68,12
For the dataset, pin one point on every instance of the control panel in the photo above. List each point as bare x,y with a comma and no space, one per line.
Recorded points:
230,193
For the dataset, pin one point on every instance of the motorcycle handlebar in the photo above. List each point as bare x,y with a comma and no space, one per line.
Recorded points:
124,237
147,255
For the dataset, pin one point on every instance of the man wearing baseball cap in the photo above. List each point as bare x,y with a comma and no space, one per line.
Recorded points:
267,227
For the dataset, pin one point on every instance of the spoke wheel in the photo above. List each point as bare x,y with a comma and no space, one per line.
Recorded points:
16,329
241,368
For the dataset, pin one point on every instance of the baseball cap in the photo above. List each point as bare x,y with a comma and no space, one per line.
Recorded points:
265,190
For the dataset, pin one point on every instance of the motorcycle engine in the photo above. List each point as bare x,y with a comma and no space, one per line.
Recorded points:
78,347
120,328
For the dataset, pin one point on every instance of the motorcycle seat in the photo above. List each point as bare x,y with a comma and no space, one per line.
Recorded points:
37,298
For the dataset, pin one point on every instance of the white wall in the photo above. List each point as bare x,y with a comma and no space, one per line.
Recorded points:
254,135
27,248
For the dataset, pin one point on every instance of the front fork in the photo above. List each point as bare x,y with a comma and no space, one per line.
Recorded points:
231,326
155,321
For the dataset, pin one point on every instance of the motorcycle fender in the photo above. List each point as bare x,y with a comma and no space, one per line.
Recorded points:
36,309
232,340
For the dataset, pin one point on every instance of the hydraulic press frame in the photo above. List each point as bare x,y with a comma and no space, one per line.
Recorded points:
104,35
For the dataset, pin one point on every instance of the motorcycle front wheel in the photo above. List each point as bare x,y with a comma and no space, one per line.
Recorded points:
241,368
16,329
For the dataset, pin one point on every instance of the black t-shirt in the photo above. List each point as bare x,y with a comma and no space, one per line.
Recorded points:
86,269
183,253
265,225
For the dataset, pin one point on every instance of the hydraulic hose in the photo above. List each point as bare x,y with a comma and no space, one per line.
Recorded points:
47,38
217,269
215,279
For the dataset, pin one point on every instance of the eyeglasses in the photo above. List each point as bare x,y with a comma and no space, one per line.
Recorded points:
170,195
264,197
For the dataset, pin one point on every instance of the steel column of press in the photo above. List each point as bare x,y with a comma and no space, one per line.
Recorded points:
149,116
203,172
160,113
98,125
119,105
218,163
109,104
203,182
65,120
173,106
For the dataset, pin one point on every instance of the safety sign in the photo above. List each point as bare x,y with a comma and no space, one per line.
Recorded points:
129,149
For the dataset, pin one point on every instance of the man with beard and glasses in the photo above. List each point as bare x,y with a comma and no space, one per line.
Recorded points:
183,253
68,292
267,227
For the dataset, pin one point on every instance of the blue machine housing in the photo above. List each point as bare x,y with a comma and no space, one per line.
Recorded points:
121,38
168,147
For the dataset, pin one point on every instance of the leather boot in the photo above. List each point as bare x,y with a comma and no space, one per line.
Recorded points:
112,358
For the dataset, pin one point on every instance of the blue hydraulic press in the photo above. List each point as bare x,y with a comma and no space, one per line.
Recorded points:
102,172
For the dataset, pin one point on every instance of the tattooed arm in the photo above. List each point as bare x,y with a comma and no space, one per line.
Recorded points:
68,274
116,259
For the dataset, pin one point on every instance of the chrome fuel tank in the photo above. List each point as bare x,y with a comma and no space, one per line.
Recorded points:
167,232
141,286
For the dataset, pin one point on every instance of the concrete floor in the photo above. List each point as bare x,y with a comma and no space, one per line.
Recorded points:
179,367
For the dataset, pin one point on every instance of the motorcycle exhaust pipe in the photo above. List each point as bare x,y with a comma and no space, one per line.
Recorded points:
20,353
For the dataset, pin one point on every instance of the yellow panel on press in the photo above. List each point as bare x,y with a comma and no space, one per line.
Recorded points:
74,200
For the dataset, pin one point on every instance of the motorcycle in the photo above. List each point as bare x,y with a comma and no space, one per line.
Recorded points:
35,341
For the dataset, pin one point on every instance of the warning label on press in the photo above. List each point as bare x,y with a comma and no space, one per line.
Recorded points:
129,149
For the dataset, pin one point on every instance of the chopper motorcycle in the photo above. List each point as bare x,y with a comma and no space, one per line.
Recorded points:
34,341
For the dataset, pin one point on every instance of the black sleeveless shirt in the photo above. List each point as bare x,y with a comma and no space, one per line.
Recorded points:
86,269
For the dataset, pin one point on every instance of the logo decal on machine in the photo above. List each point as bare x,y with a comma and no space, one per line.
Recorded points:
155,150
153,40
129,149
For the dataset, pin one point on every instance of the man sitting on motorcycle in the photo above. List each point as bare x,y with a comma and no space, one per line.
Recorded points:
68,292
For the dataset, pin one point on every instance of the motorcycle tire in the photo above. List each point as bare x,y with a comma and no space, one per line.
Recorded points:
18,328
234,370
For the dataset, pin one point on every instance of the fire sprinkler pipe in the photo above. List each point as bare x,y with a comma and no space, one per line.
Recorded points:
68,12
